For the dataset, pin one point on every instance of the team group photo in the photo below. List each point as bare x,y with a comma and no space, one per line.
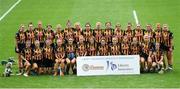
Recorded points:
44,50
89,44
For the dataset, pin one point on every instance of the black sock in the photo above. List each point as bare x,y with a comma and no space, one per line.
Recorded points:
20,70
67,69
170,65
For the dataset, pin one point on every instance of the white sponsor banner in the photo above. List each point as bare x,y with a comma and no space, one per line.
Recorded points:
108,65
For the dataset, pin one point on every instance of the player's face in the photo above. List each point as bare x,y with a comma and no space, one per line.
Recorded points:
77,26
70,41
81,39
58,29
49,28
37,44
165,28
158,26
118,27
59,42
88,27
148,28
146,39
91,40
28,44
134,39
98,25
31,27
114,40
157,46
138,27
48,43
39,25
22,28
103,42
125,39
129,27
108,26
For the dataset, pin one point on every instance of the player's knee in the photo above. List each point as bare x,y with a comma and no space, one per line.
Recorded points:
142,60
56,61
27,64
68,61
149,60
35,66
153,64
73,61
62,61
161,63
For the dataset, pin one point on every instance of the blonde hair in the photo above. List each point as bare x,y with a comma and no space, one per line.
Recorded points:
98,23
77,23
58,26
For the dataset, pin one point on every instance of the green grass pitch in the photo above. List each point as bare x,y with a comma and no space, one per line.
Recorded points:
59,11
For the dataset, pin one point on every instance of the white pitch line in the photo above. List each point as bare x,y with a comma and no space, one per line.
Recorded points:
135,17
9,9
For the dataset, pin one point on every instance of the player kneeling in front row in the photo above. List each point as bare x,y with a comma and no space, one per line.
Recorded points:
60,58
26,55
71,56
158,64
48,57
145,54
37,58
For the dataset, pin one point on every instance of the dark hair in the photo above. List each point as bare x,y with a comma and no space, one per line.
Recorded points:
107,23
30,23
49,25
88,24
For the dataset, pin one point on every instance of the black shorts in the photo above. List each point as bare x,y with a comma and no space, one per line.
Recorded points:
30,61
38,62
48,63
71,56
164,47
41,44
144,55
20,46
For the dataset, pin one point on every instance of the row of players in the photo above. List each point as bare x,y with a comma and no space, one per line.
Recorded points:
43,50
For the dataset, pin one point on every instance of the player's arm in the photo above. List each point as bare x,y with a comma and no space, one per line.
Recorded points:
150,53
108,48
98,52
63,55
33,53
161,59
44,52
16,41
171,41
76,51
23,58
85,52
155,56
56,55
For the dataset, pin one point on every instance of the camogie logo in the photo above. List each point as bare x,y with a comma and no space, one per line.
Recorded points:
87,67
